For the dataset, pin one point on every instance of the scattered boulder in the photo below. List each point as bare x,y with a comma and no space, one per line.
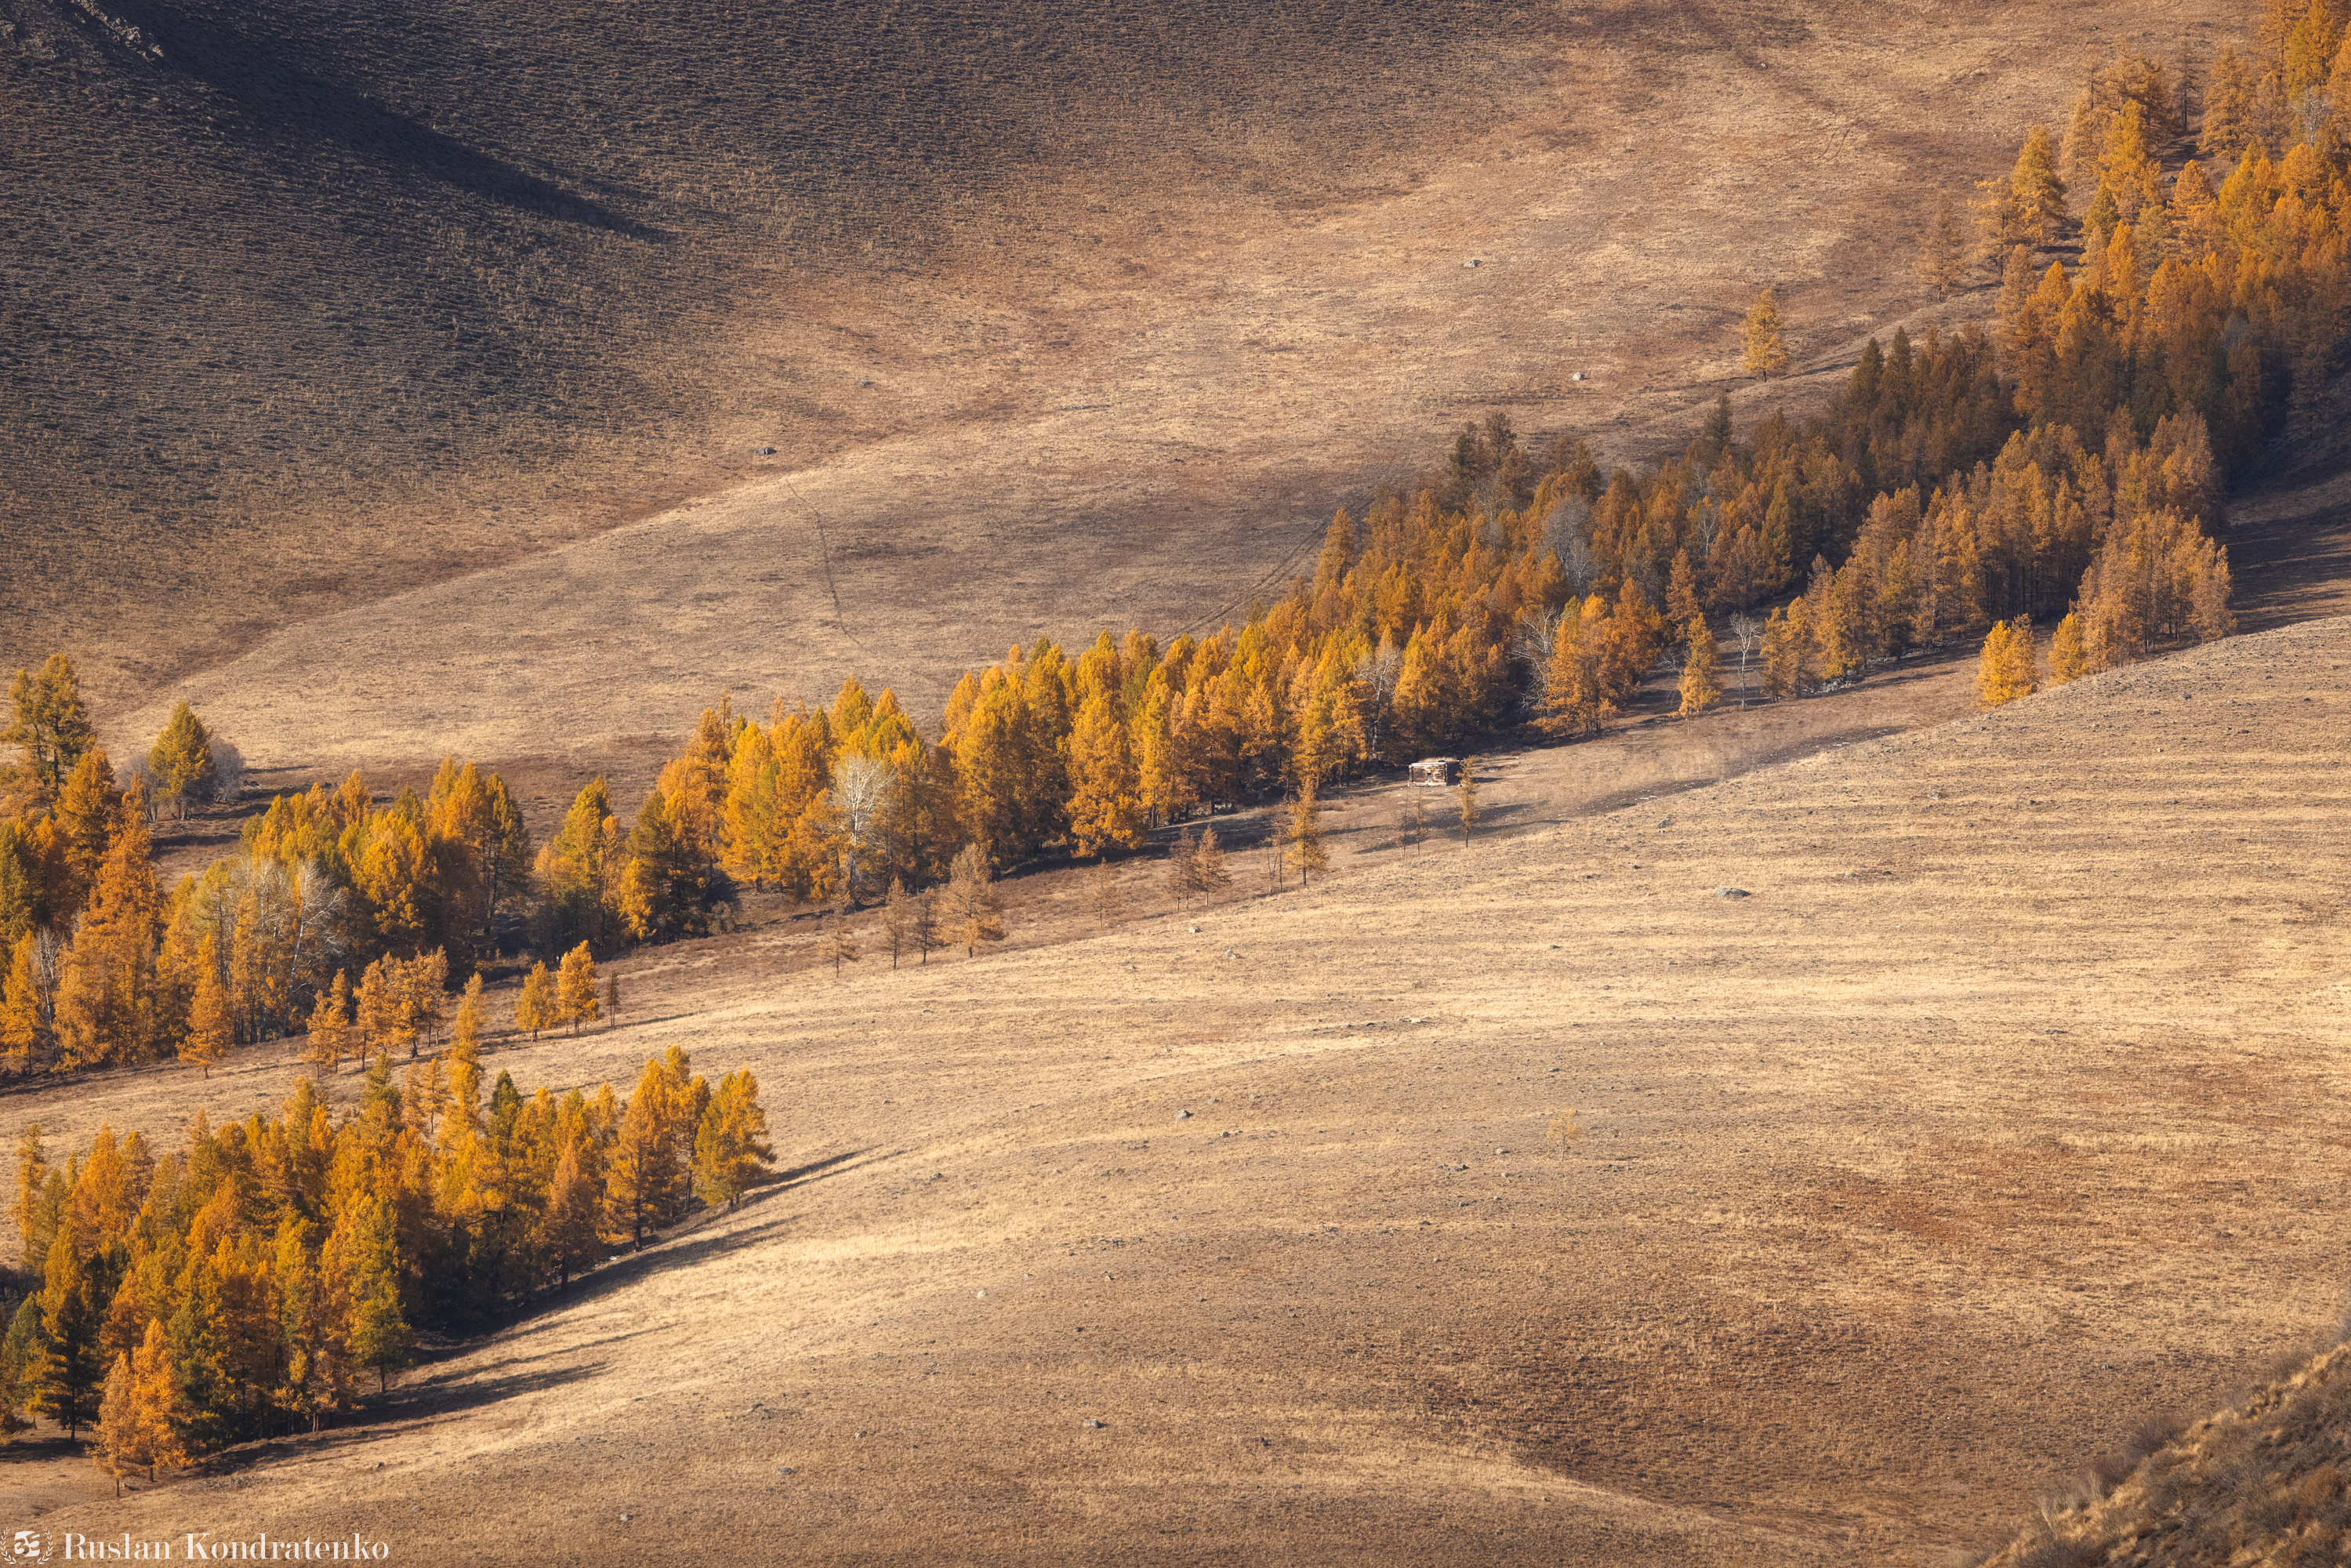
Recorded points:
1732,893
763,451
1183,1115
1092,1425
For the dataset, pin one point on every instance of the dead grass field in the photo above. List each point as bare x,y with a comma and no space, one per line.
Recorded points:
1999,1114
387,379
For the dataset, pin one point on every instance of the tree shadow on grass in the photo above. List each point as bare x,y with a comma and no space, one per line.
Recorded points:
694,1241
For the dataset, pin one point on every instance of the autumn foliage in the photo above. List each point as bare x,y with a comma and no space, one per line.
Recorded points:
265,1271
2158,321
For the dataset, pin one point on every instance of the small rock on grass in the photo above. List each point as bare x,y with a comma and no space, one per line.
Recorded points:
1732,893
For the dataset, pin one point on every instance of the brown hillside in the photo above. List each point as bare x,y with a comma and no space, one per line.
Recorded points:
1998,1113
330,304
2261,1482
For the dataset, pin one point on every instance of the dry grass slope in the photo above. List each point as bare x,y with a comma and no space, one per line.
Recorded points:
2263,1484
2000,1113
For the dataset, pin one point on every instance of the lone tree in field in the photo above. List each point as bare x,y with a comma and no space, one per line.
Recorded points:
1766,344
182,760
1304,835
1102,893
575,988
1208,872
1943,260
928,936
1179,868
611,999
2005,671
974,912
1466,794
1701,689
836,943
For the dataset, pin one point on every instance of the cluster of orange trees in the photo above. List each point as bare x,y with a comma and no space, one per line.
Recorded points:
2154,330
248,1281
104,966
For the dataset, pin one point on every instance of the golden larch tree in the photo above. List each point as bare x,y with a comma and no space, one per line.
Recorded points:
1942,258
836,942
1763,338
535,1005
575,988
1701,689
898,920
974,912
105,984
2068,660
182,760
1106,793
330,1030
730,1144
49,721
2039,192
210,1031
24,1007
2004,671
1304,850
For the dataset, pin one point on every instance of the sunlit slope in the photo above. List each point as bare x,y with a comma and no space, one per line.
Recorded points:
2256,1482
1996,1114
1066,314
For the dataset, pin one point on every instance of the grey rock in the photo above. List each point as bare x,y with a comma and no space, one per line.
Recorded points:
1732,893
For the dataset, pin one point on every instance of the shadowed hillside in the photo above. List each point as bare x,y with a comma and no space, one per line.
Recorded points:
484,276
306,306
